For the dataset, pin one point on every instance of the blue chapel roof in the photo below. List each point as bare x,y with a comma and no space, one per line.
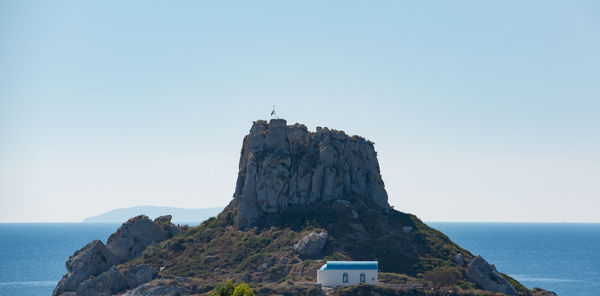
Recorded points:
350,265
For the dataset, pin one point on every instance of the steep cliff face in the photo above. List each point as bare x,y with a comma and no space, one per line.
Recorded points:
285,166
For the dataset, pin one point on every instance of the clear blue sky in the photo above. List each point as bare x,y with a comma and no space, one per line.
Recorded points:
480,110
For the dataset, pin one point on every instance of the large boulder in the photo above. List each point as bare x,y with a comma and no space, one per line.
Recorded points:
486,277
459,258
287,166
164,222
91,260
107,283
134,236
311,244
140,274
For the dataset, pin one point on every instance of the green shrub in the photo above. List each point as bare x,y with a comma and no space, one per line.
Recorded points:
213,222
243,290
444,276
228,288
223,289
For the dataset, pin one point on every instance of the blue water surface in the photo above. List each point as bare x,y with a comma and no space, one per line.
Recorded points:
33,255
562,257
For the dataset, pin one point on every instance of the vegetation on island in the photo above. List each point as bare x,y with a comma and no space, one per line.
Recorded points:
229,288
416,260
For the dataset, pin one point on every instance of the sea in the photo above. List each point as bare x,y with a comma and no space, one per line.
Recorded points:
562,257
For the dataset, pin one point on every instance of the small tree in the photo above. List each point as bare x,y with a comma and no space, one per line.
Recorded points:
243,290
223,289
228,288
444,276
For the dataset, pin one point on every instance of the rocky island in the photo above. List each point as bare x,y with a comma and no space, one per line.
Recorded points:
301,198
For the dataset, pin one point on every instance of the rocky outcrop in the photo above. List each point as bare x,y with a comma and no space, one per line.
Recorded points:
134,236
140,274
459,258
311,244
91,260
284,166
486,276
89,270
107,283
165,223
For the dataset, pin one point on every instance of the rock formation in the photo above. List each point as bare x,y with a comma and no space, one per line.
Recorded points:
91,260
91,270
134,236
311,244
459,258
486,276
285,166
164,222
107,283
140,274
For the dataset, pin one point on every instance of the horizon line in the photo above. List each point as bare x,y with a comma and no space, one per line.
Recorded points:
424,221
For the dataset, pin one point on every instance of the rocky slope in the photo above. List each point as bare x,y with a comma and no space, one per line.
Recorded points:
301,198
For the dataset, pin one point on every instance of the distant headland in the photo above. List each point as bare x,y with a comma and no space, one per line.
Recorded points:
180,215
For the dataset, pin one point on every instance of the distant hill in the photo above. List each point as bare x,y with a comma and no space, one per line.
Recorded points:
180,215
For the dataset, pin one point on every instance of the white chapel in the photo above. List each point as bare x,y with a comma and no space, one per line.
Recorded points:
340,273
